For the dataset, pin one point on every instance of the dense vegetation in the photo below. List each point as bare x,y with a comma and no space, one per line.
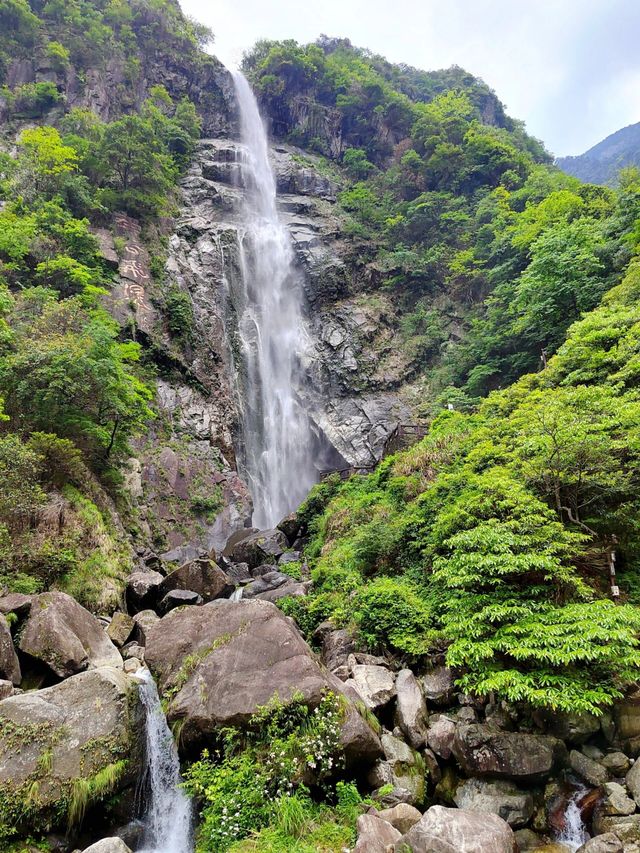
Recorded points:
72,387
488,541
456,206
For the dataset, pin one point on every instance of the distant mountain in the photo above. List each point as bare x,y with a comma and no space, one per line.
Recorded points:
601,164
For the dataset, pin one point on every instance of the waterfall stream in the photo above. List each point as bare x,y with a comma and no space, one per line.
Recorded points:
574,833
168,817
277,434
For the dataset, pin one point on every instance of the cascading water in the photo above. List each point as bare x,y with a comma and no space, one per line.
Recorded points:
278,437
574,834
168,818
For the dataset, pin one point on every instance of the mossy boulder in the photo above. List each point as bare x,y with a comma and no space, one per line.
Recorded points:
66,747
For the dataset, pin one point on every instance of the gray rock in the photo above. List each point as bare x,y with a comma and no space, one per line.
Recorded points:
337,645
608,843
262,546
443,830
238,572
440,737
132,650
376,685
89,722
497,797
572,728
6,689
627,829
9,663
143,622
617,763
411,709
403,769
142,589
202,576
239,656
633,782
375,835
108,845
592,772
402,817
438,686
66,637
15,602
528,840
120,628
483,751
290,526
616,801
272,586
179,598
626,715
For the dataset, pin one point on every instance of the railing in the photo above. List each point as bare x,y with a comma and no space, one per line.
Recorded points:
402,437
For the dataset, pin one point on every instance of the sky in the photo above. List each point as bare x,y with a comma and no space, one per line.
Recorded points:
569,68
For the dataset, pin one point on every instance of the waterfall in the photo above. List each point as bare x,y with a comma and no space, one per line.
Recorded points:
574,834
168,818
277,434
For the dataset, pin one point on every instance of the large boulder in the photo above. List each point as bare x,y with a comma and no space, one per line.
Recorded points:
273,585
496,796
67,745
441,736
202,576
142,589
9,663
588,769
66,637
484,751
633,782
608,843
15,602
411,709
402,817
259,546
443,830
626,715
218,664
438,686
375,684
375,835
108,845
403,769
120,628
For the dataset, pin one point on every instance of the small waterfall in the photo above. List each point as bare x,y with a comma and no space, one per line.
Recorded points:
168,817
277,433
574,834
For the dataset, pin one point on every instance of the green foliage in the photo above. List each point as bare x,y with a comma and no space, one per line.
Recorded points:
390,612
255,780
179,311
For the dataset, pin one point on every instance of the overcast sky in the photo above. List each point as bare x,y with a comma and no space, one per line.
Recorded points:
569,68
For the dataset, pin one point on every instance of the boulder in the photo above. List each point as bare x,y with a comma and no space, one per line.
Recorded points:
259,546
402,817
411,709
56,741
588,769
438,686
440,737
179,598
202,576
497,796
627,829
237,572
375,835
337,645
403,769
142,589
9,663
484,751
6,688
120,628
617,763
376,684
142,623
272,586
221,662
66,637
572,728
443,830
108,845
616,800
633,782
290,526
15,602
608,843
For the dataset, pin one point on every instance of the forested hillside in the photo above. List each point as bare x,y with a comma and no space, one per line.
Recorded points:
464,652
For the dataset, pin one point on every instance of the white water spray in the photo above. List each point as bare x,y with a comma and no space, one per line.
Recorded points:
574,834
168,819
278,438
